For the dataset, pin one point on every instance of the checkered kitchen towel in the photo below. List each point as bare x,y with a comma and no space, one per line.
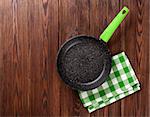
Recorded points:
121,82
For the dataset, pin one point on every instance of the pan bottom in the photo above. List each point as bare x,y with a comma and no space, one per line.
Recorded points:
83,62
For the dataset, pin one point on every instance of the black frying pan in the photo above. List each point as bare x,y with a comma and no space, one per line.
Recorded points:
84,62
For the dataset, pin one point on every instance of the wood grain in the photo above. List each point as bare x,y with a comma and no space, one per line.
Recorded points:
32,31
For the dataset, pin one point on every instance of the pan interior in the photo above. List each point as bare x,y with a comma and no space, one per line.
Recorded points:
83,61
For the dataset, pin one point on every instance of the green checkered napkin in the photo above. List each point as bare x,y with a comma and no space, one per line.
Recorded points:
121,82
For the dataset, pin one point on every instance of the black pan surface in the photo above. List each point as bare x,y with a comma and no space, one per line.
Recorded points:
84,62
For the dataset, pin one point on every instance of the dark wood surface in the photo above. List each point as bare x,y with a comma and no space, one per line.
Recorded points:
32,31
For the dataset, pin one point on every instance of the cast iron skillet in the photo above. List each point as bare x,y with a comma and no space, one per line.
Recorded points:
84,62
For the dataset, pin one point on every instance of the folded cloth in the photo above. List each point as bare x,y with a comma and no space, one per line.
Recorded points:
120,83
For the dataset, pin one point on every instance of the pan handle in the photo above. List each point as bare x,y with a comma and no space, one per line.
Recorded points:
108,32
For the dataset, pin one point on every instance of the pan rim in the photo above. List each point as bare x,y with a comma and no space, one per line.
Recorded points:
88,85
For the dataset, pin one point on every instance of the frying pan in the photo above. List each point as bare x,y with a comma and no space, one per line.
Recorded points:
84,62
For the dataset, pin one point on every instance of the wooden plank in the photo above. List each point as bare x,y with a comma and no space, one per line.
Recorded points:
35,27
98,17
115,47
43,33
135,43
73,20
67,29
128,39
14,34
1,56
53,37
142,55
9,78
21,58
98,22
83,23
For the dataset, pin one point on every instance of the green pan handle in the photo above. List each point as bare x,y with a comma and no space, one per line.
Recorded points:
106,35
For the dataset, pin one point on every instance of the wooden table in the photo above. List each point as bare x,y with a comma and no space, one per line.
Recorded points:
32,31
